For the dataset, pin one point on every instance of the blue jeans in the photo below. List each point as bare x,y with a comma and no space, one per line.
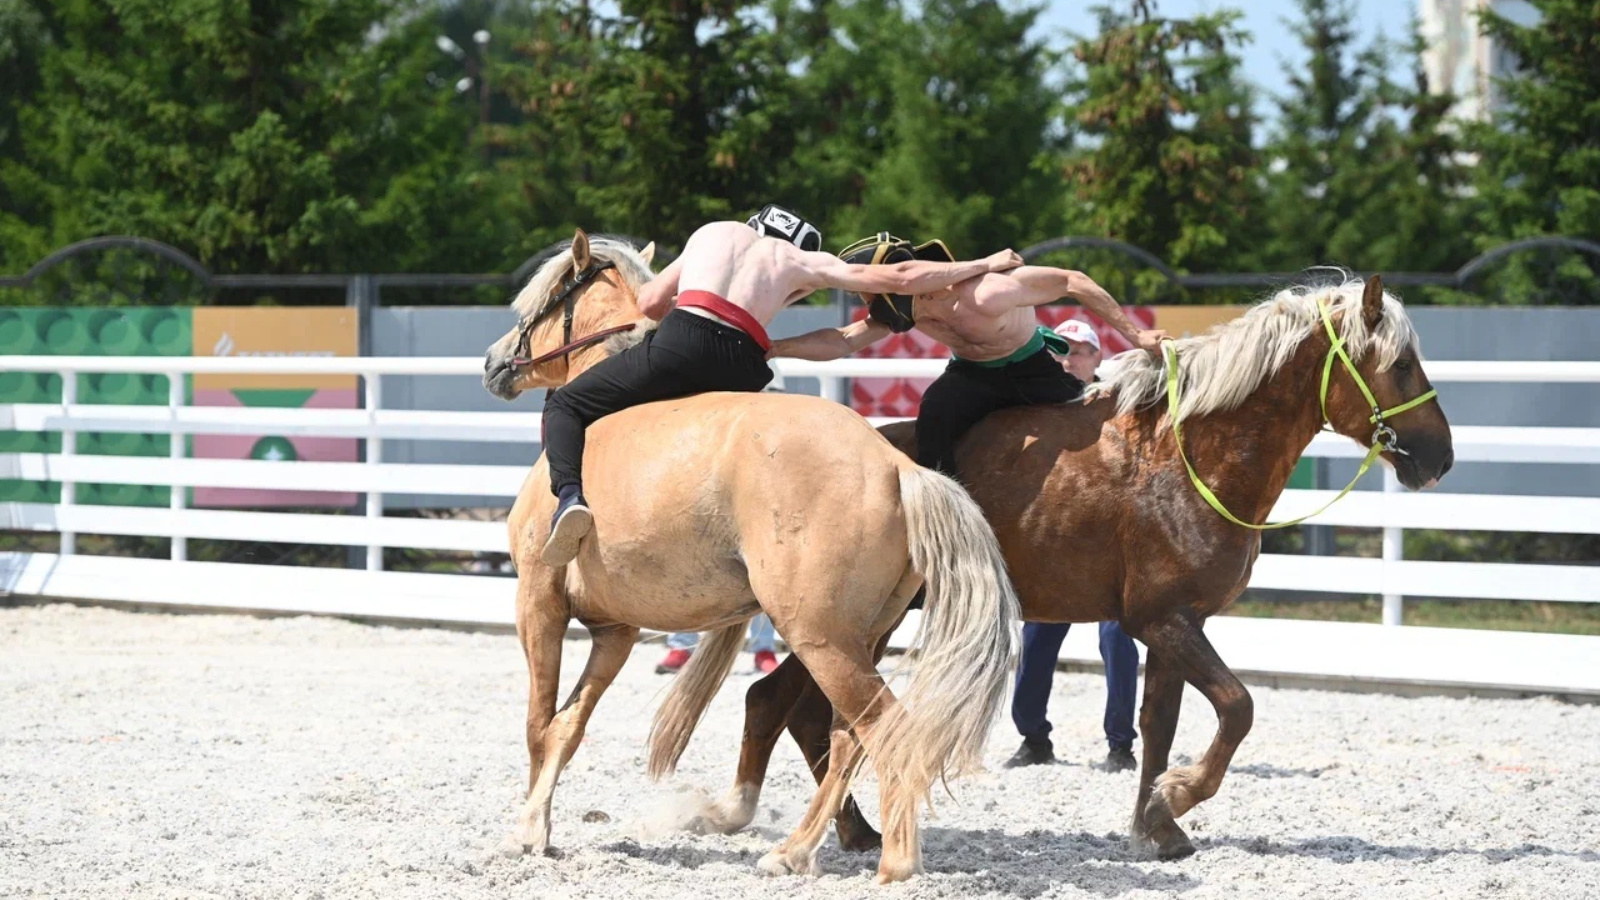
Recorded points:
762,637
1041,644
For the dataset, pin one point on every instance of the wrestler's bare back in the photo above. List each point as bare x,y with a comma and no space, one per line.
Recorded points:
760,275
952,317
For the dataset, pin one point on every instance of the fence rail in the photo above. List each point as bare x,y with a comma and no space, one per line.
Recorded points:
474,598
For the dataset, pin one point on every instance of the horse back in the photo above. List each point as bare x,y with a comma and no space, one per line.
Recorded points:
693,497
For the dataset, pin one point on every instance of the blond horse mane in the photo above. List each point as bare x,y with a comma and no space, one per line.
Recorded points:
539,294
1224,366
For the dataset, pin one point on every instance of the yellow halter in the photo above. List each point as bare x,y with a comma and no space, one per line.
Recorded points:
1383,437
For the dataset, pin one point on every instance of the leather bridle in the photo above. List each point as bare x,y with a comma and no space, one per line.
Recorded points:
568,301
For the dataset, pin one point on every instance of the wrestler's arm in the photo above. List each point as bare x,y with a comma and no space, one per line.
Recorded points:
824,270
830,343
1038,285
657,296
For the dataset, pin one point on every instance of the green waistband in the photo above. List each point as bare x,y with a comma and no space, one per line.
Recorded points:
1042,337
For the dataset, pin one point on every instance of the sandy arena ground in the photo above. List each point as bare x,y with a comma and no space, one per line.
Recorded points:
162,756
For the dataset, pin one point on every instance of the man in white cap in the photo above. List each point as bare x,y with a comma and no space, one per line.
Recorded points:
1083,349
1041,642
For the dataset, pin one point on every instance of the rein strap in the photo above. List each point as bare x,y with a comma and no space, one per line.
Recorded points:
580,343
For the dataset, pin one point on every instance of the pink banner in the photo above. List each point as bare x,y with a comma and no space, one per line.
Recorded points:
273,448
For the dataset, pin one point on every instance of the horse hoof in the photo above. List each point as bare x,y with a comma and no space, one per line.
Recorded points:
888,874
777,862
1165,841
860,841
1176,848
511,848
729,814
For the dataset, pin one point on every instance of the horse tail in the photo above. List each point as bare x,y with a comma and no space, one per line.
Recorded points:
690,694
964,644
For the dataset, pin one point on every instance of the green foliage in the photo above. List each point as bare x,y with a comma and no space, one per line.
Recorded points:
965,125
1539,157
381,136
1362,171
1170,167
288,136
650,122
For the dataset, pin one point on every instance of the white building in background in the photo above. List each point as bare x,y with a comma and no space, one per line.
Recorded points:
1461,60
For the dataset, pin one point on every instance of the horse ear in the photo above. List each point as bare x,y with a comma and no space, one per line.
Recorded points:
580,251
649,253
1372,301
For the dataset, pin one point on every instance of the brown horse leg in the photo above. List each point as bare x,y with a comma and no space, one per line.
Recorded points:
1158,721
860,700
1177,791
609,649
808,726
769,705
788,697
798,852
855,835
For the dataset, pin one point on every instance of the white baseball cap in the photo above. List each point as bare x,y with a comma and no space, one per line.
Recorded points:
1080,331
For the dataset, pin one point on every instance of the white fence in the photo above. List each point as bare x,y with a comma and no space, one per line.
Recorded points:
478,599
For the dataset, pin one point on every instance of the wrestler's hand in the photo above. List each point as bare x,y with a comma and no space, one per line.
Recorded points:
1150,341
1004,261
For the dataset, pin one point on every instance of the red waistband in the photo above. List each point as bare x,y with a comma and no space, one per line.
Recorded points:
735,316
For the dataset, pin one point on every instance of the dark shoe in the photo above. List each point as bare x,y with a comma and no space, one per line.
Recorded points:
676,659
1120,759
1033,752
567,528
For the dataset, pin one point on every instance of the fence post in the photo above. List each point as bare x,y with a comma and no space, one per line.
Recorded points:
374,386
1320,538
1394,550
69,447
361,293
175,451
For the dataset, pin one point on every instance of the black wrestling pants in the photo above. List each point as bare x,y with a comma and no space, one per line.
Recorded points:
686,354
967,392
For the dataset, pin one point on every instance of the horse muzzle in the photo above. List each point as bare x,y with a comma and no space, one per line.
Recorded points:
1423,462
500,378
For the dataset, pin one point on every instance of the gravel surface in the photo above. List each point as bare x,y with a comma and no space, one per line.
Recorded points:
164,756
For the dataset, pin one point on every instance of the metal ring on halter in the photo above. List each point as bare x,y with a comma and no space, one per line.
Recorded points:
1386,437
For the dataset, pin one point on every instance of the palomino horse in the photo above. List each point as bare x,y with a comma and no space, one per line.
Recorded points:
1098,518
712,508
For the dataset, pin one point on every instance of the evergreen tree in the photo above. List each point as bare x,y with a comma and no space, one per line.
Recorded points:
843,104
23,37
1171,168
1539,156
1412,220
287,136
966,134
656,120
1361,170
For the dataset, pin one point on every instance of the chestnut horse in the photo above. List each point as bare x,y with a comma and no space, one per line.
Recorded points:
712,508
1098,518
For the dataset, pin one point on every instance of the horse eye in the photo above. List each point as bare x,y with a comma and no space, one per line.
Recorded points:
1403,365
